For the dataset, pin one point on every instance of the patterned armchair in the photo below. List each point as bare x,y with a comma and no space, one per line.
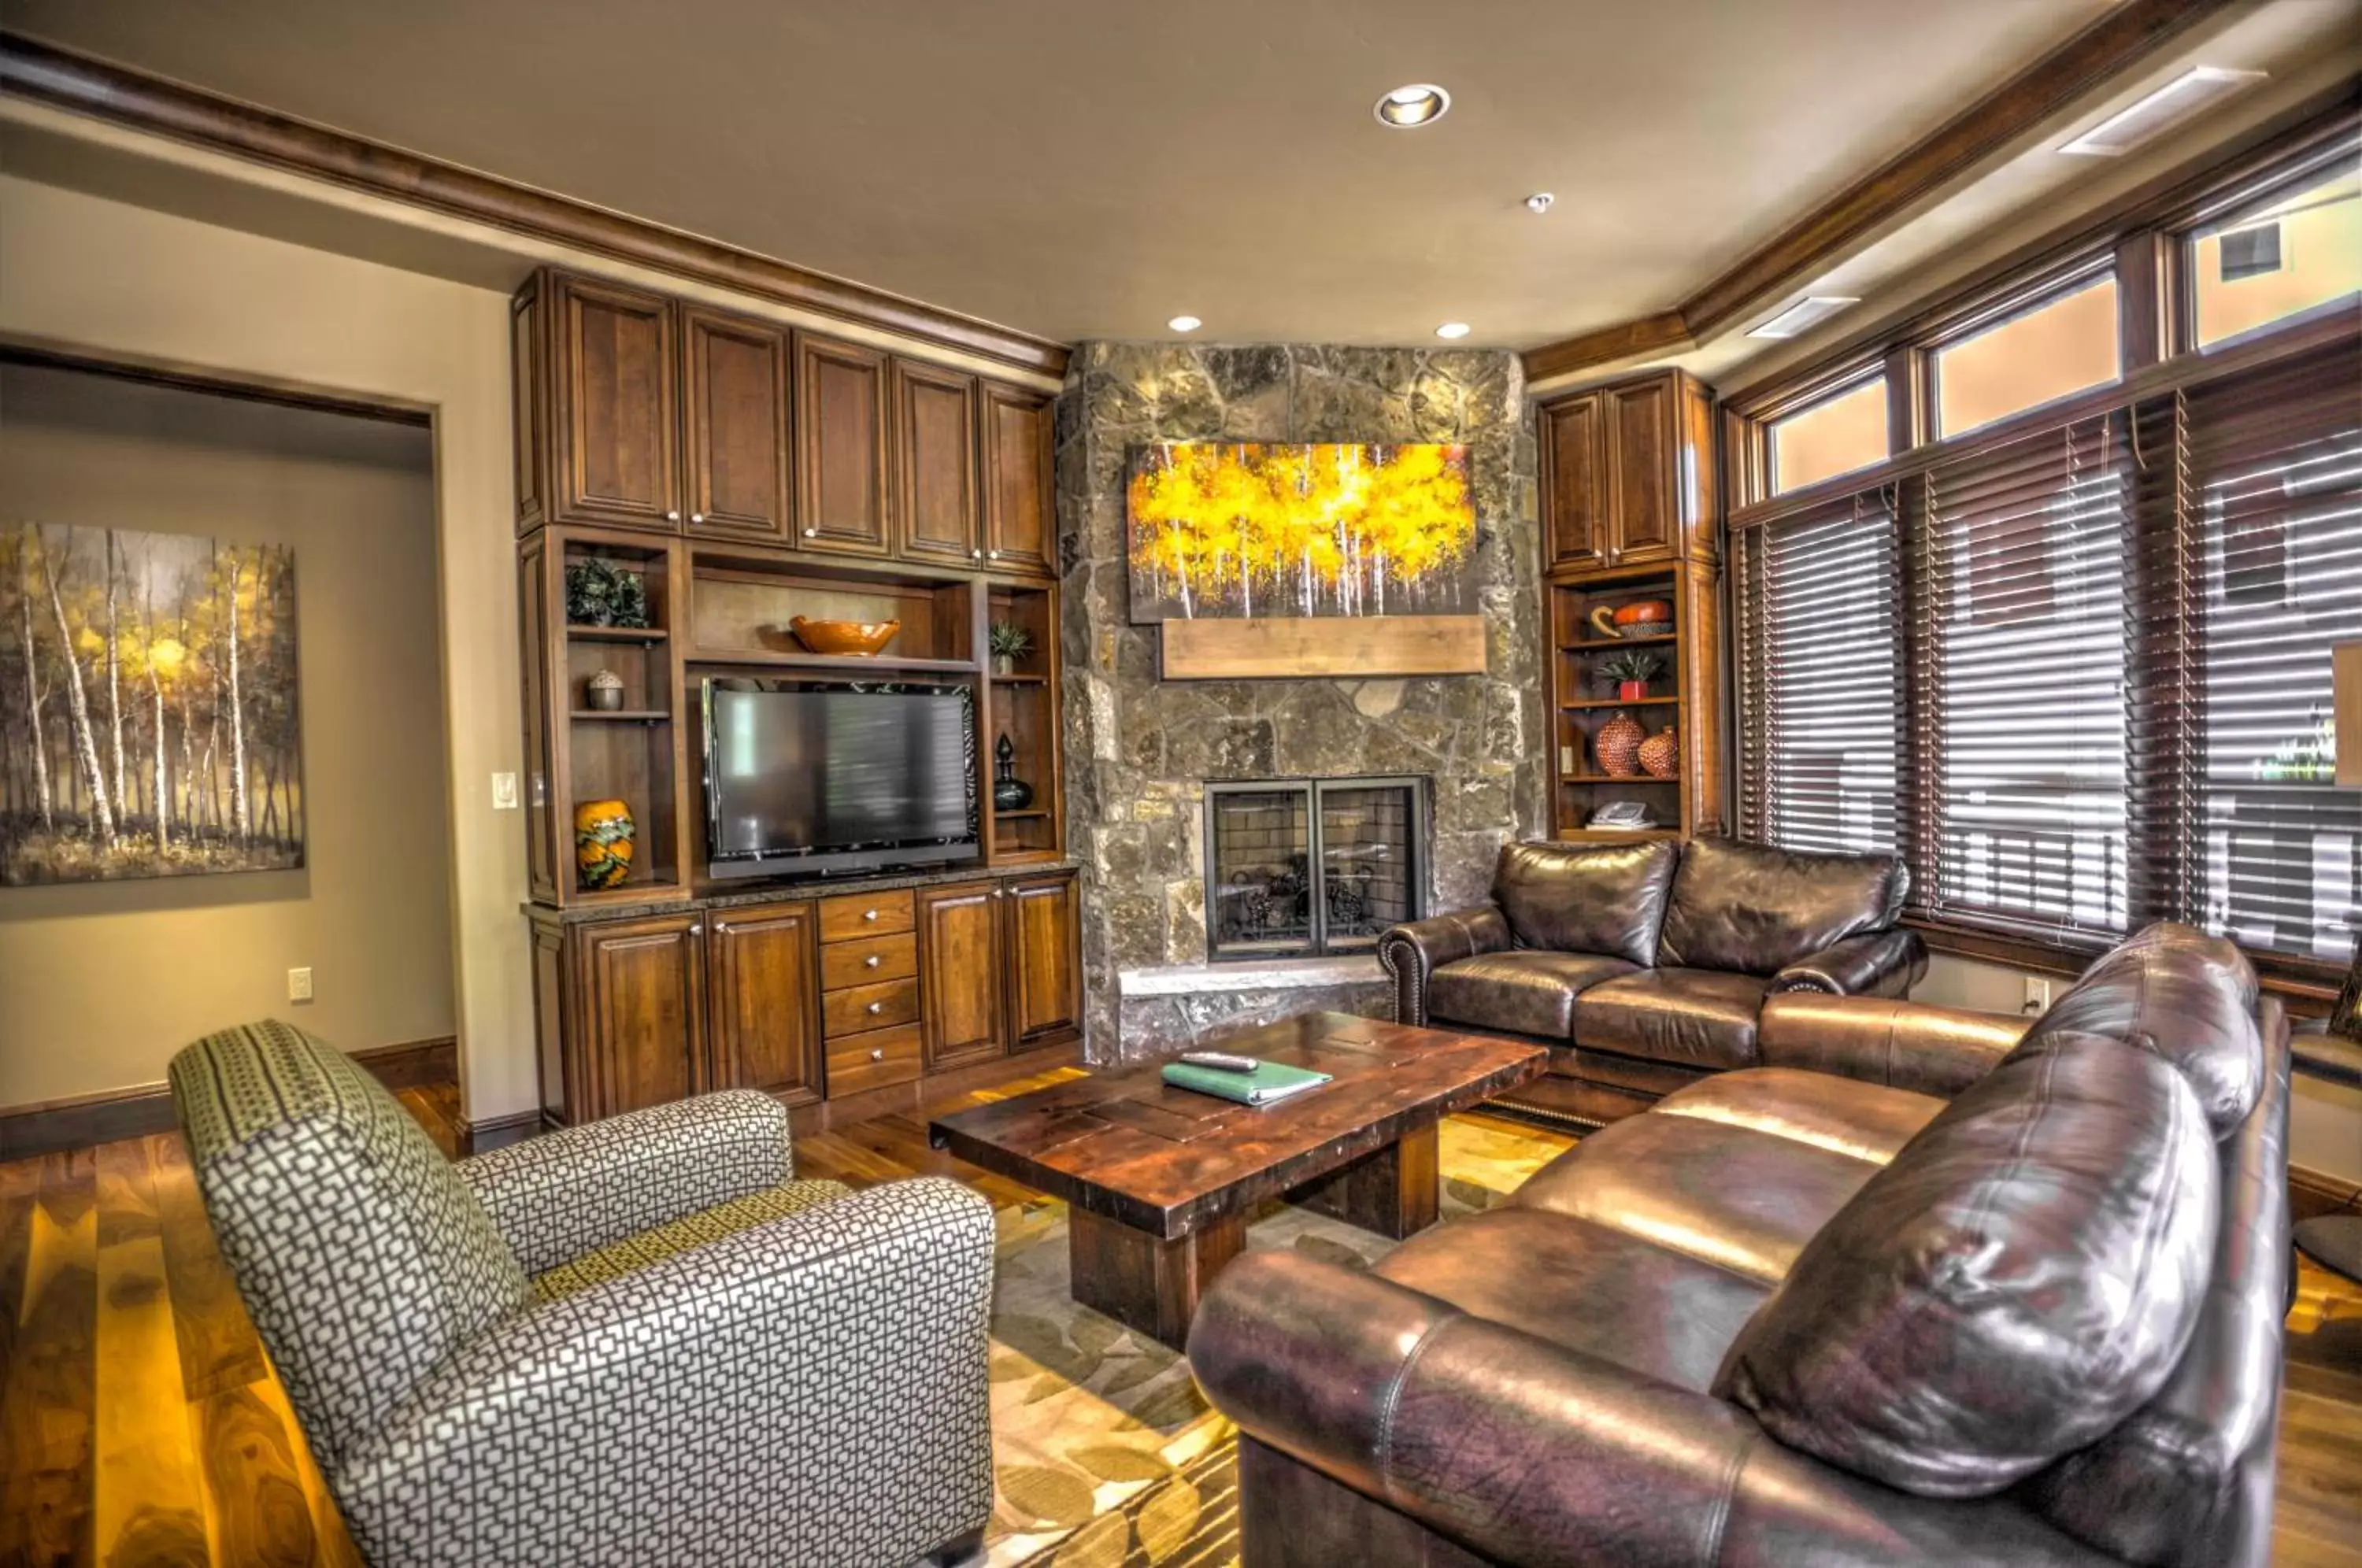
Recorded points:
640,1340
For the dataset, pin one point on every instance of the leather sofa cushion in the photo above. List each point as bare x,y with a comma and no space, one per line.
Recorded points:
1696,1018
1868,1121
1522,992
1586,898
2182,996
2023,1276
1584,1286
1756,909
1741,1200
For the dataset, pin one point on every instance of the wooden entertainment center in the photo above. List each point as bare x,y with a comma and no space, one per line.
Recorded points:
747,473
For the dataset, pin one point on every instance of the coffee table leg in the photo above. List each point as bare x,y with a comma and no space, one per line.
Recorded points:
1394,1190
1144,1281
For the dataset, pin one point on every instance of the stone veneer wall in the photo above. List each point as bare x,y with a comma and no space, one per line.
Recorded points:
1139,749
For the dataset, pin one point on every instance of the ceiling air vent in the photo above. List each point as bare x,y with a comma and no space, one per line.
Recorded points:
1803,316
2182,96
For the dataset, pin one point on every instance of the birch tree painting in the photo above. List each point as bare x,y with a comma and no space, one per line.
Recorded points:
147,706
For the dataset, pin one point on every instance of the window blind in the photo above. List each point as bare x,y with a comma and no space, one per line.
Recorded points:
1819,672
2017,692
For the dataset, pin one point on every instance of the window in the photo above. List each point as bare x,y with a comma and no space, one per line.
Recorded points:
1836,436
2288,253
2019,700
1819,667
2064,346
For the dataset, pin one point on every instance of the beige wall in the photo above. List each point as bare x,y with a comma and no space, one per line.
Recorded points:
127,281
103,980
2324,1121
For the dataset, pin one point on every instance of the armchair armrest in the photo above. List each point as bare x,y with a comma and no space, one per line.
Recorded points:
1873,964
809,1389
1529,1452
1879,1040
577,1189
1413,952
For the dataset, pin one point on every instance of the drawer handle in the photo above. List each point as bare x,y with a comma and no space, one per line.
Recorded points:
869,914
878,1052
877,1007
697,516
873,961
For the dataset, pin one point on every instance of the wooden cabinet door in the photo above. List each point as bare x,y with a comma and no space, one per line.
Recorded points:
734,382
618,462
1643,499
959,972
934,464
840,449
1045,979
1020,514
642,985
1574,491
762,992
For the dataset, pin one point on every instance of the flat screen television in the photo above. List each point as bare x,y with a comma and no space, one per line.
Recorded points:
806,778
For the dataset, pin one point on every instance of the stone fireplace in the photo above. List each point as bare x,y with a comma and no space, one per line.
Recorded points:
1299,868
1144,756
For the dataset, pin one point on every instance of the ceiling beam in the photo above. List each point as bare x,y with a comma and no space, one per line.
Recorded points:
2117,43
118,96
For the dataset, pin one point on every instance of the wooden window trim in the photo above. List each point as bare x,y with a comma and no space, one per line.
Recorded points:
2306,986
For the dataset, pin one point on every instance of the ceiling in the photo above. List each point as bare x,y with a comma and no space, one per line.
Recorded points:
1077,168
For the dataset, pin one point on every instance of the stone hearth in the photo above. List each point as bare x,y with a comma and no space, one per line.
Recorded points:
1138,748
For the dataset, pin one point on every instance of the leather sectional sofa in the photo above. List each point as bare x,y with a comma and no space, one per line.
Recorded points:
1645,965
1938,1298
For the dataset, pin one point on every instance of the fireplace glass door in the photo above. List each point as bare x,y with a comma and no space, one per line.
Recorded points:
1301,866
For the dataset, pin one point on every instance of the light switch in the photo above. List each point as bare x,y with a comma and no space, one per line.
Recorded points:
504,793
299,984
2037,995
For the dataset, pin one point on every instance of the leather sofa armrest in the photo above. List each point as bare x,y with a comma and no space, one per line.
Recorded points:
1883,1040
577,1189
1528,1453
1872,963
1413,952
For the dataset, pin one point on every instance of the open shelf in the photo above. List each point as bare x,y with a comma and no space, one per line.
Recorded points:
1567,779
644,634
1601,645
833,664
1021,815
1586,704
1610,835
1020,679
620,716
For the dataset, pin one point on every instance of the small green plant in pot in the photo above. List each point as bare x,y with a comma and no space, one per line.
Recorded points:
1009,642
1631,670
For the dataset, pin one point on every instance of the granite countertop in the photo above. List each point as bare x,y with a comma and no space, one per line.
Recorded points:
808,888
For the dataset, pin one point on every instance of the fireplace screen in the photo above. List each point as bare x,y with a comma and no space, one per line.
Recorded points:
1299,867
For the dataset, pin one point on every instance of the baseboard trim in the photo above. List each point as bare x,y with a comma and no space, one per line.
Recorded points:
2314,1192
83,1121
499,1131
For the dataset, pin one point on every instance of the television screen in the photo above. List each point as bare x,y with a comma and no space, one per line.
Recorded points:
830,777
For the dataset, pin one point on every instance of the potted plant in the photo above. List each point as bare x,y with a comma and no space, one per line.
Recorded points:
1010,642
1631,670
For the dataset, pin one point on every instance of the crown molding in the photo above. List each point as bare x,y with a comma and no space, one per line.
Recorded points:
2118,41
120,96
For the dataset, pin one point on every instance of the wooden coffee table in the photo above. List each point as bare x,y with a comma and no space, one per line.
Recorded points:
1160,1181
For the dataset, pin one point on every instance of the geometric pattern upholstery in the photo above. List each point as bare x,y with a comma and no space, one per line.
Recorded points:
639,1250
800,1379
363,1259
556,1197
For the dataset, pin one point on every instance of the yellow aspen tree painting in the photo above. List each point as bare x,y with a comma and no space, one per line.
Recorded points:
1244,530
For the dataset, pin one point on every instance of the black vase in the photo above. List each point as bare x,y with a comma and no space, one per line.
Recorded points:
1010,793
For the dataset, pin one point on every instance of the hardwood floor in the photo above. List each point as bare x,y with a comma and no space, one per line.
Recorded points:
140,1424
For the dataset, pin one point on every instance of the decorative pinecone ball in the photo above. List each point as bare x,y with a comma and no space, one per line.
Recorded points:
1618,745
1660,754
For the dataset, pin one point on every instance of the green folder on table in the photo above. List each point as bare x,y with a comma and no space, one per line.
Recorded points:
1269,1083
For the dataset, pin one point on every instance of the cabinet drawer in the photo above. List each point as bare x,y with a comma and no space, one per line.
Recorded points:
868,961
869,1006
873,1059
857,915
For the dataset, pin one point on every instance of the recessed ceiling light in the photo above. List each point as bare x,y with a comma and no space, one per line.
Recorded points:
1804,314
1452,329
1185,323
2136,123
1406,108
1539,201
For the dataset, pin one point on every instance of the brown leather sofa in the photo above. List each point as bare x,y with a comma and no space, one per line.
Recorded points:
1644,966
1911,1293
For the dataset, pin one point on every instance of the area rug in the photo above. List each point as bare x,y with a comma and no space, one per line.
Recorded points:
1104,1453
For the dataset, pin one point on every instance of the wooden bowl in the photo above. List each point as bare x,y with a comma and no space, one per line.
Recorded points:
860,639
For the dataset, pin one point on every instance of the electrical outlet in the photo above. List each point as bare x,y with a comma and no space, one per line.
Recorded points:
504,793
2037,995
299,984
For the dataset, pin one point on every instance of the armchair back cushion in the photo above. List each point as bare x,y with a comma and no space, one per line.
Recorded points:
1569,897
362,1256
1756,909
2023,1276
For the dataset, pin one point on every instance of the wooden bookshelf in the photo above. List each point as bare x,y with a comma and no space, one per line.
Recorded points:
1682,696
